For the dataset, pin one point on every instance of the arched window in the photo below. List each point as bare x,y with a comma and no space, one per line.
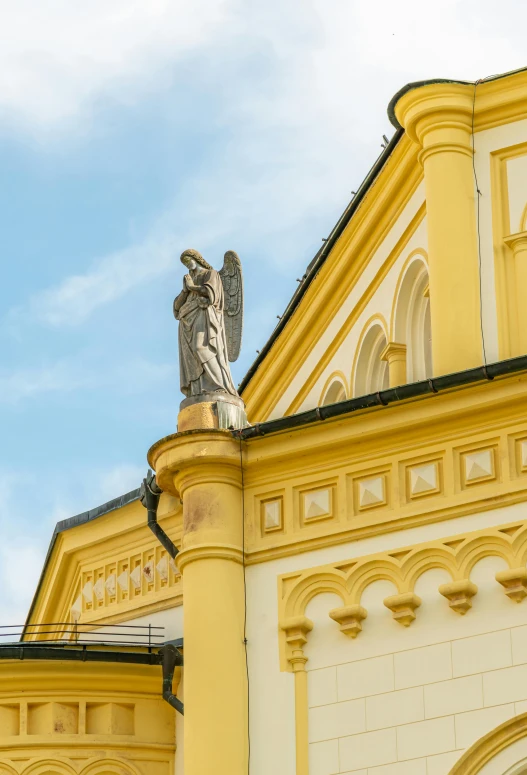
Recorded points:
335,392
412,325
371,373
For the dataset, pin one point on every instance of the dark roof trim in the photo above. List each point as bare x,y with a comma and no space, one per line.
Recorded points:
386,397
80,519
319,259
32,650
98,511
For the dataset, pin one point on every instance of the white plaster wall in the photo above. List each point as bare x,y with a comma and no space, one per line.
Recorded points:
171,620
432,690
383,657
487,142
344,358
380,304
517,180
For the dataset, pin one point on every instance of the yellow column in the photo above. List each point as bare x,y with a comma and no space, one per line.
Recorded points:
518,245
203,467
439,118
395,354
296,630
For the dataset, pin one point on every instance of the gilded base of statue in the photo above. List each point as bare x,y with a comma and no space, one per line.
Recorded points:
212,410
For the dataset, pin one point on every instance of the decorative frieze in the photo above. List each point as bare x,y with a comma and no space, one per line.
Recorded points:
104,589
456,555
459,477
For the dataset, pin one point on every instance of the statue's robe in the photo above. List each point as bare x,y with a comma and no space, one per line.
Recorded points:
203,358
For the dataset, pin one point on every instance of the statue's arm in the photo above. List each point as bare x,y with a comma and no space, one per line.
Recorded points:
200,290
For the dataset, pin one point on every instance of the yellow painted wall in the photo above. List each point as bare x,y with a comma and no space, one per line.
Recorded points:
84,718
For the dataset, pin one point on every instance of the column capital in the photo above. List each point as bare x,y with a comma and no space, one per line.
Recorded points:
516,241
438,117
393,351
186,459
296,631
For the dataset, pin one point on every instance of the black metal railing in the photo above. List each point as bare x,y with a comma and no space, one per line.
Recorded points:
76,634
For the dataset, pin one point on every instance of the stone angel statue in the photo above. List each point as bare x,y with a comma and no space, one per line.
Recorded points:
210,314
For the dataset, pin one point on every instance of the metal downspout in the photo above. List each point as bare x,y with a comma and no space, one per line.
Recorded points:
171,659
149,495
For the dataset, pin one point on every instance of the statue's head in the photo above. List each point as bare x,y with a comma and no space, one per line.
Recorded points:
192,259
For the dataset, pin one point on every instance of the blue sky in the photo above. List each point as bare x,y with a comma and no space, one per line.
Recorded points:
130,131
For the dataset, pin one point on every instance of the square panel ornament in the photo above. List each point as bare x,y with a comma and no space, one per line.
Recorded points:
478,466
317,504
523,455
423,479
371,492
272,515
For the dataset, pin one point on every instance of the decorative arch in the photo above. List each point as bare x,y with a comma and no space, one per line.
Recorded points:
50,767
410,319
335,389
457,556
478,759
523,221
370,373
7,769
110,767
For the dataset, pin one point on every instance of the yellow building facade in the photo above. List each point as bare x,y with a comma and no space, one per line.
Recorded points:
348,595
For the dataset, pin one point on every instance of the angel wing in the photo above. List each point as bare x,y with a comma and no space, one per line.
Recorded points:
232,280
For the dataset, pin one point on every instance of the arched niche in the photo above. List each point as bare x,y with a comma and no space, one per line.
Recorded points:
503,751
411,321
371,373
334,390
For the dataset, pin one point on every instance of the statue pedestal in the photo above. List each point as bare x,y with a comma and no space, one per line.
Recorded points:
211,410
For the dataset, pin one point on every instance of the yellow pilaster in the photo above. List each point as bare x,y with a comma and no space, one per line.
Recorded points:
518,245
395,354
296,631
439,118
204,468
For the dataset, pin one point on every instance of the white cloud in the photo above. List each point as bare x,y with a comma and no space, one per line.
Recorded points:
78,296
298,143
57,56
125,376
15,386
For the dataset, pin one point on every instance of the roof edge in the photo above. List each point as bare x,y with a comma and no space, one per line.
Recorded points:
431,81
